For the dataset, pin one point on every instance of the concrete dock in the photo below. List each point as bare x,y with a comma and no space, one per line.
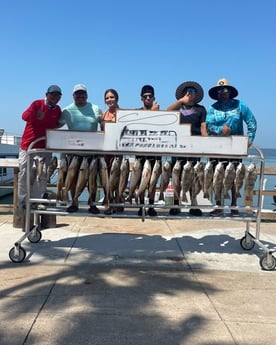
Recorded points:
110,281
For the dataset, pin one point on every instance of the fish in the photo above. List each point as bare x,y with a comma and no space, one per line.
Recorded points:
250,179
145,178
33,170
218,180
165,178
156,172
176,172
104,179
51,168
195,189
92,180
114,179
134,178
229,178
208,179
41,169
239,179
72,174
62,170
199,172
82,179
198,181
124,174
187,179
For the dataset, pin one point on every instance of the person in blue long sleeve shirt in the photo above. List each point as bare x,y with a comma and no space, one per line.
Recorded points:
227,117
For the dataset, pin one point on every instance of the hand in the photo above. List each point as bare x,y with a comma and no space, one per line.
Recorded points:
155,106
40,114
226,130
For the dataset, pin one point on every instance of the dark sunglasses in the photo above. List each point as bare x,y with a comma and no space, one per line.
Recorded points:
190,90
147,96
223,90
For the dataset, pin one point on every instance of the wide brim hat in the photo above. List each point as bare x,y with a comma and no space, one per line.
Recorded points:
180,91
213,92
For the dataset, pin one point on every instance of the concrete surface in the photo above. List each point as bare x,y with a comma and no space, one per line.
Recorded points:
126,282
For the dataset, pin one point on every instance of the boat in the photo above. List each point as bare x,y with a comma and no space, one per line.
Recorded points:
9,149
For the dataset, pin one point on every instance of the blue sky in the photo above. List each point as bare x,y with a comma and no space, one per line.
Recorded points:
124,45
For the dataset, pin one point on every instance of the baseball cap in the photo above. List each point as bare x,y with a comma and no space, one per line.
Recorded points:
147,89
54,88
79,87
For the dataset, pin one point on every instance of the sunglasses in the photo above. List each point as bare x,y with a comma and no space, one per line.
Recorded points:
223,90
191,90
147,96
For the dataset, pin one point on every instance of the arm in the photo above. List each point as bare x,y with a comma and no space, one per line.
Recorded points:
250,121
33,112
177,104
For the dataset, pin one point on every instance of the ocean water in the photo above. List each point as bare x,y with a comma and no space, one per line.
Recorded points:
270,181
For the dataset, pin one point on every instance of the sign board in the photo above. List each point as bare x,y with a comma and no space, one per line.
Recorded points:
146,132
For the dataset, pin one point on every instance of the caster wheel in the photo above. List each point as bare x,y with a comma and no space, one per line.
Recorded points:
34,236
17,258
268,262
247,243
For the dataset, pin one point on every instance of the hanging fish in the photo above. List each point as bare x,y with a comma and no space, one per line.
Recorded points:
134,178
218,180
92,180
124,174
51,168
239,179
176,179
165,178
250,179
145,178
187,179
208,179
228,180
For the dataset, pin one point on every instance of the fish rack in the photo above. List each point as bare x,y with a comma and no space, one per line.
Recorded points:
248,214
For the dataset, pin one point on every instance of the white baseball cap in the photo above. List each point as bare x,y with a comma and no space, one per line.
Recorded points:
79,87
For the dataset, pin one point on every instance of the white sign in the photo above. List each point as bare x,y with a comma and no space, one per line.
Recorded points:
147,132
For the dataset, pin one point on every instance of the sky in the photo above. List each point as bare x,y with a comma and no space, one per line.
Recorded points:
126,44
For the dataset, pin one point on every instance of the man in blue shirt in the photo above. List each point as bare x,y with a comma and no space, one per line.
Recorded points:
227,117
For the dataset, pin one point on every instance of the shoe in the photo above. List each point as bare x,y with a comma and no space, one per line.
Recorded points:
72,208
120,209
216,213
195,212
109,210
174,211
152,212
94,209
235,213
140,212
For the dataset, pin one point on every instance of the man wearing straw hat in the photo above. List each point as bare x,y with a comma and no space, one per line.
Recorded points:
227,117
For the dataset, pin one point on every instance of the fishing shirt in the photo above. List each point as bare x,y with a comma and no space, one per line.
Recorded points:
85,118
232,114
194,115
36,128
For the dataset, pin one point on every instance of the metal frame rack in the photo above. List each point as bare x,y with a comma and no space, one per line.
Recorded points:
248,214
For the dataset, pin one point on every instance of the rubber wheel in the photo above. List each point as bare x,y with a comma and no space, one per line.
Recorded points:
34,236
247,243
17,258
268,262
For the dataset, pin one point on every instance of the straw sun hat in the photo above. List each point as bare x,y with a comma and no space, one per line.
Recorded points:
223,83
